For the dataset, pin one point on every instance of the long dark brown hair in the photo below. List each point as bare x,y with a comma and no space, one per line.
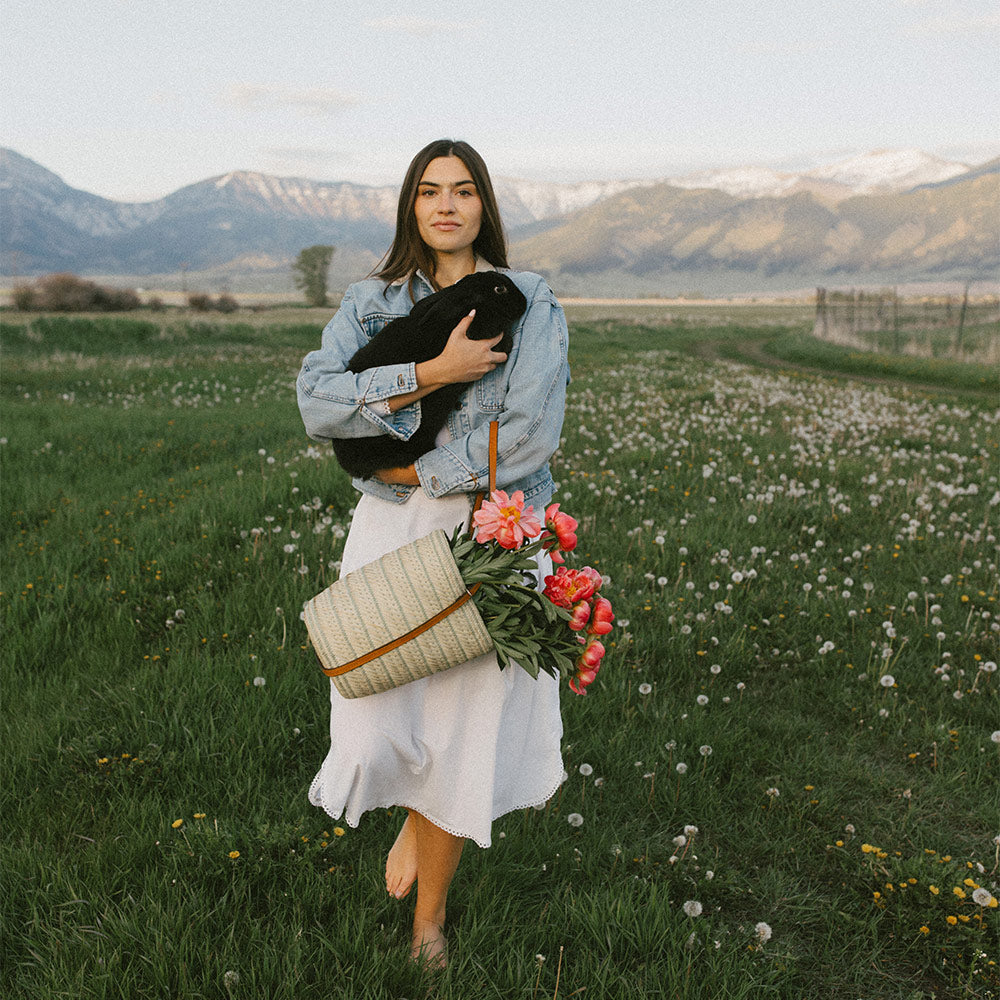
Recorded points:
408,252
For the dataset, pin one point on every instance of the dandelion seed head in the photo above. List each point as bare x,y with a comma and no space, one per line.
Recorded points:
574,819
693,908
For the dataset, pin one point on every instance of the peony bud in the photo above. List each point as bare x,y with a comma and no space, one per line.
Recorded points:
580,616
603,617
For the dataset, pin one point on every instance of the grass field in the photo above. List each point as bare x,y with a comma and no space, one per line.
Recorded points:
787,768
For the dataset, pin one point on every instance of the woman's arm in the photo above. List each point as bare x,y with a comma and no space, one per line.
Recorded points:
336,403
532,415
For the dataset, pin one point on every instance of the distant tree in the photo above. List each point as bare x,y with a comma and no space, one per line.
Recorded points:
199,301
226,304
310,272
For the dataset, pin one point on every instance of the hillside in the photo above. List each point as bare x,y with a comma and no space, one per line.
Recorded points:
900,216
666,234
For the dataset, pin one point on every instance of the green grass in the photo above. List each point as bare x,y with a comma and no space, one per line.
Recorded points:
805,537
938,371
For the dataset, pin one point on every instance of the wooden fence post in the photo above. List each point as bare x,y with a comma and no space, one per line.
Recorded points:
961,322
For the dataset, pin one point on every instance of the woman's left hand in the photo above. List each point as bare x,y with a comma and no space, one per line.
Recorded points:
403,475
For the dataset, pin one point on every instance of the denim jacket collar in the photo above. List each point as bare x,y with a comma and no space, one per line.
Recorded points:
481,265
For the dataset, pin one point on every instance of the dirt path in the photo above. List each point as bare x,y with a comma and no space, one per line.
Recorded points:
752,351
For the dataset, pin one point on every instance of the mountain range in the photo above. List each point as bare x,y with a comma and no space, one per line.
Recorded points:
896,215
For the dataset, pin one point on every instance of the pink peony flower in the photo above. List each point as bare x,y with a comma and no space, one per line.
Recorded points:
603,617
568,586
506,519
580,617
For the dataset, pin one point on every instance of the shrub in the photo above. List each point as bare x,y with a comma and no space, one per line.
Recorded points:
226,304
24,297
199,302
66,292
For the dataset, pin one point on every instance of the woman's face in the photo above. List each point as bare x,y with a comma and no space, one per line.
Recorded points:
448,208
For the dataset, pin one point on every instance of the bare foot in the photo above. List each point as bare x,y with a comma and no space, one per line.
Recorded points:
401,865
430,947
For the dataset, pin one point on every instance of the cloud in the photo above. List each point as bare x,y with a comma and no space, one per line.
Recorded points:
779,47
955,24
302,154
312,101
419,26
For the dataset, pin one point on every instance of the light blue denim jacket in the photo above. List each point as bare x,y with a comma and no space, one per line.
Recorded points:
526,394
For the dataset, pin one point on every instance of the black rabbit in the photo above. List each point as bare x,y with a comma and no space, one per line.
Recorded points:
421,336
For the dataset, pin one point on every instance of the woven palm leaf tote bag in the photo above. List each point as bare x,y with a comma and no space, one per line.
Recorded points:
404,616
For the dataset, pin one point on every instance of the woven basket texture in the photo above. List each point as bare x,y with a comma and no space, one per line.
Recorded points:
385,599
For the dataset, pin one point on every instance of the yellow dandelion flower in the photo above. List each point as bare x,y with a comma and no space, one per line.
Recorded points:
959,891
339,831
992,904
947,857
951,920
928,850
839,843
102,760
970,883
912,881
176,823
234,854
925,929
867,848
809,788
963,918
877,895
199,815
934,890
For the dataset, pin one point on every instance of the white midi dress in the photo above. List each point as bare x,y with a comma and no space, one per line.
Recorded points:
461,747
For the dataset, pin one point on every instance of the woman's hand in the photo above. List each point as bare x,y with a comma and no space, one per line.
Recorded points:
462,360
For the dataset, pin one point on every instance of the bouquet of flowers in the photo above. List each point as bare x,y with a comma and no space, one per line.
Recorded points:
556,630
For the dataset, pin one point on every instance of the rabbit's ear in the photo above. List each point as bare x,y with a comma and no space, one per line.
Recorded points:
443,314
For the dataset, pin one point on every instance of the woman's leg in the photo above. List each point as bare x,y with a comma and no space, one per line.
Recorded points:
438,854
401,865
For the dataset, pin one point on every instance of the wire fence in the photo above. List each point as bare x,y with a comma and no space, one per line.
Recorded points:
959,327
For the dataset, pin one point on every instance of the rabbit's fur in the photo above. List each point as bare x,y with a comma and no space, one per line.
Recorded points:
421,336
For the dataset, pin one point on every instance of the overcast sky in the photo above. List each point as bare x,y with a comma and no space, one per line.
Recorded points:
132,99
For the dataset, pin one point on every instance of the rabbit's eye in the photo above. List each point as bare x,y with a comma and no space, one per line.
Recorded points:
500,290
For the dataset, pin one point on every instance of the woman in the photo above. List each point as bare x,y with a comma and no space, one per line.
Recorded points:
469,744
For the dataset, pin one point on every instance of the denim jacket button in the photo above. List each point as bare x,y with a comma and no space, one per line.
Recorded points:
434,482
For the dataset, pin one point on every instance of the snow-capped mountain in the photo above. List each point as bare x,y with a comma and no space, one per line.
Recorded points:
885,170
246,222
889,170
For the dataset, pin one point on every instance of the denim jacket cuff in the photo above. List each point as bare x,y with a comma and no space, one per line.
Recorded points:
440,472
385,382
